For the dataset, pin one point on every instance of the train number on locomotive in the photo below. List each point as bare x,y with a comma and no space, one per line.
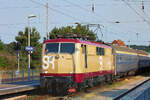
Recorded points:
47,60
101,63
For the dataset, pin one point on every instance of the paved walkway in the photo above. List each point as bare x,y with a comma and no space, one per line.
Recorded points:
18,87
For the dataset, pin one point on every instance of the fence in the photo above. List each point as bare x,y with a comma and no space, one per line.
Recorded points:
15,76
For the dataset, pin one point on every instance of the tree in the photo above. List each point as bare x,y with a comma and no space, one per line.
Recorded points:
3,62
12,47
79,31
22,38
2,46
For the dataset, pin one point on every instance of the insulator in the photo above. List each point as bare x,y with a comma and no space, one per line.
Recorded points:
143,5
92,8
92,5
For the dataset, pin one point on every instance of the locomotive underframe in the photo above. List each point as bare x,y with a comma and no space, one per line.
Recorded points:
47,82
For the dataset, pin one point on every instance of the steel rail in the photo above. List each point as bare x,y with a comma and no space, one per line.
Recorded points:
130,90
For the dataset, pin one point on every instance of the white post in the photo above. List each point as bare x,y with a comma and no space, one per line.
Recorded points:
29,46
129,43
31,16
47,19
18,60
28,42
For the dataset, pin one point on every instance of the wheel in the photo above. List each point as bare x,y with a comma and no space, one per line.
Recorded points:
58,89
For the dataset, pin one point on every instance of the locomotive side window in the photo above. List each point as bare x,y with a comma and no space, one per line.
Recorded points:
67,48
52,48
97,51
100,51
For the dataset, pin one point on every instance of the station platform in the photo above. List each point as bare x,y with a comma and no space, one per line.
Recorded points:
9,88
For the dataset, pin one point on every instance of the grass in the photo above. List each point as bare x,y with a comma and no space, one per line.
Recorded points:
116,84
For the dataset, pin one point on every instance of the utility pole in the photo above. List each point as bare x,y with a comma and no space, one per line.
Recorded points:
137,34
105,33
18,57
129,43
149,44
98,28
47,19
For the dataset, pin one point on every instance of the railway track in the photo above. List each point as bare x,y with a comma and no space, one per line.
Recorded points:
131,90
38,95
12,96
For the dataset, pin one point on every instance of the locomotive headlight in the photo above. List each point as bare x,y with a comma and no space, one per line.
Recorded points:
70,72
46,71
57,57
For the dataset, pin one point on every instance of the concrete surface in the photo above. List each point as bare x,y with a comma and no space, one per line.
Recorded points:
18,87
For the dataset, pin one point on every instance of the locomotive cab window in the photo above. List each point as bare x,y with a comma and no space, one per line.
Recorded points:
51,48
67,48
100,51
64,48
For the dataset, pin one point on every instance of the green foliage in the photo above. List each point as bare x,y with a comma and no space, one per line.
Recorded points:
7,56
8,52
2,46
3,62
141,47
79,30
12,47
22,38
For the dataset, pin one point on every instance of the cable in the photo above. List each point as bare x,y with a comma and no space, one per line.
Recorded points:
5,8
76,5
142,4
60,12
37,3
63,12
81,8
136,12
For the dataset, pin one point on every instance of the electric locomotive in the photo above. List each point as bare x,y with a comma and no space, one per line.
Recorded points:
75,64
69,63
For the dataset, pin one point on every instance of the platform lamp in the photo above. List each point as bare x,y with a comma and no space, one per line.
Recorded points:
30,16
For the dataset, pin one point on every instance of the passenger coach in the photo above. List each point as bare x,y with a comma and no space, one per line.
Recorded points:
126,60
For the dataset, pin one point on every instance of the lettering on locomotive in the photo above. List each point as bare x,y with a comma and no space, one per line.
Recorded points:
47,60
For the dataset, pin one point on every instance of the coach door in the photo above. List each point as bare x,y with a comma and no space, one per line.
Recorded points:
84,55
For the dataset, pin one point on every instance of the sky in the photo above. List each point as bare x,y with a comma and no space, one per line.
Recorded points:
132,19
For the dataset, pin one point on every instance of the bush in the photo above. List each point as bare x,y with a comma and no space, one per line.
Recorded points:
2,46
3,62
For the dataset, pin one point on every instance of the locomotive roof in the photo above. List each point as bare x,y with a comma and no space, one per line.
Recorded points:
78,41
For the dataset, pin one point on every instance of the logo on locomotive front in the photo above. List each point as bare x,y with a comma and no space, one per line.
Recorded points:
47,60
